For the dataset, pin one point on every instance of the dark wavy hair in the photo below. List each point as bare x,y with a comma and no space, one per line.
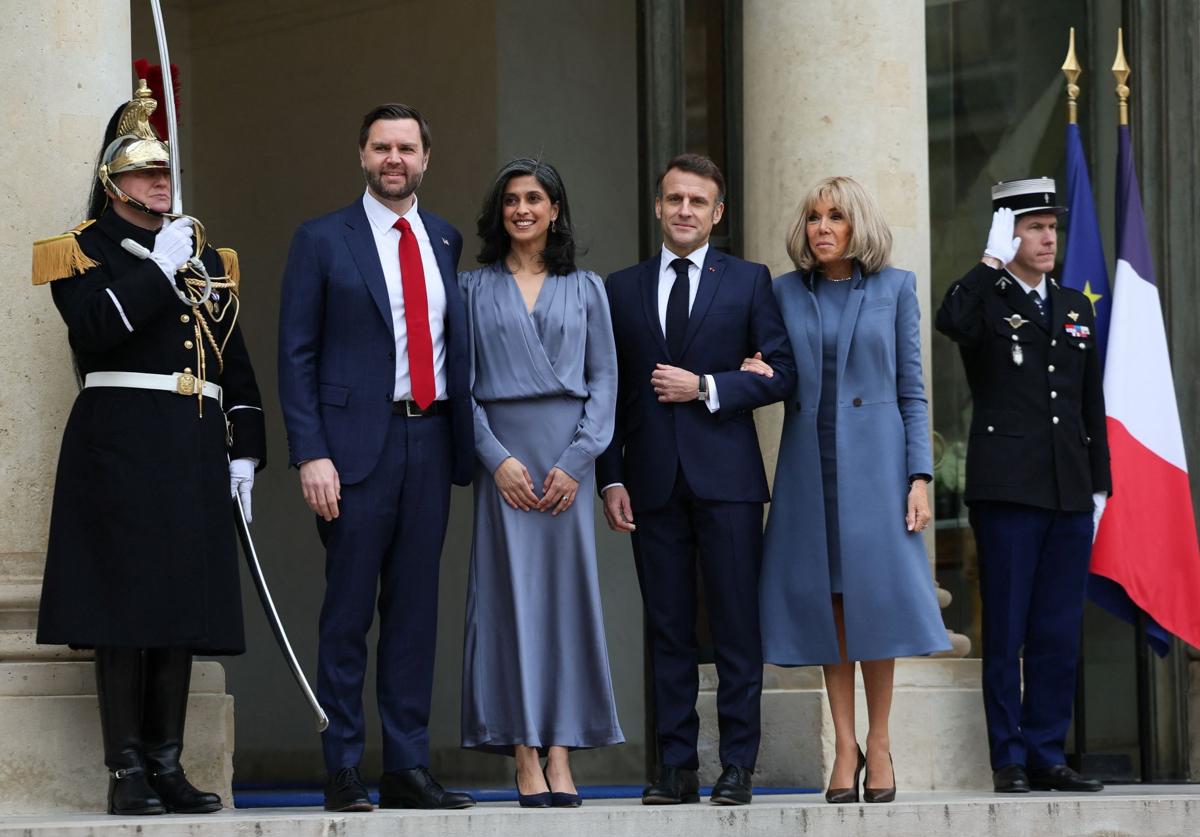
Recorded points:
98,199
559,255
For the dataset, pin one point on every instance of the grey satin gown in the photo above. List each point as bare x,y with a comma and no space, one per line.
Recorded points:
544,385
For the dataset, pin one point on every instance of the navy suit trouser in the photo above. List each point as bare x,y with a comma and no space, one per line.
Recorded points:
386,541
1033,567
727,540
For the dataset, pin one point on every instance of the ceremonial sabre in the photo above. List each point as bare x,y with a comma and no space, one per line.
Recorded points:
243,528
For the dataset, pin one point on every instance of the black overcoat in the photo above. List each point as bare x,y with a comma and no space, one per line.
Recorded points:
142,549
1037,427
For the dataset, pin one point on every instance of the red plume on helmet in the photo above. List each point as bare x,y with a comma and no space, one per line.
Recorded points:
153,75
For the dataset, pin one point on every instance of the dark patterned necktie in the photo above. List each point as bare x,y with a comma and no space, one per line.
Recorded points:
1039,304
677,308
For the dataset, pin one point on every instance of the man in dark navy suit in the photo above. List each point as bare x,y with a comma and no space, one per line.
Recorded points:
374,384
685,463
1037,466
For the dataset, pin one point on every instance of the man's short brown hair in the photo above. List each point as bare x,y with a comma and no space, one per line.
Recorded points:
695,164
394,111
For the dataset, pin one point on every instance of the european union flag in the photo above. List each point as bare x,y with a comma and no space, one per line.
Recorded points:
1084,267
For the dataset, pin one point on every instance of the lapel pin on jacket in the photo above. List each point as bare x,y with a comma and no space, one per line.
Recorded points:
1016,320
1074,315
445,241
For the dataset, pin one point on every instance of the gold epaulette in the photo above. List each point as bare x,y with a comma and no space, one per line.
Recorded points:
59,256
229,261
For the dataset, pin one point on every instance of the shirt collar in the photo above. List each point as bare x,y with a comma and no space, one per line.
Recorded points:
696,257
382,217
1040,287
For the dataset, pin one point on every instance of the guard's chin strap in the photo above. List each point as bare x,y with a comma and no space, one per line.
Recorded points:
113,189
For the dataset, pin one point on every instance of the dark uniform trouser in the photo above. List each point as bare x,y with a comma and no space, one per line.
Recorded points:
1033,566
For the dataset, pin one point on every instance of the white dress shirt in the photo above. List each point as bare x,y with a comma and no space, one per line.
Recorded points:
666,281
387,242
1040,287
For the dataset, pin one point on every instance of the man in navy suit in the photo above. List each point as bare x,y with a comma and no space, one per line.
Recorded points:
374,384
685,462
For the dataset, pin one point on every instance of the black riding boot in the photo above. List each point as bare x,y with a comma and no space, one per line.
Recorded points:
119,688
168,672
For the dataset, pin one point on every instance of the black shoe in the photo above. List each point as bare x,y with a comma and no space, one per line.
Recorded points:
1010,779
168,672
560,799
734,787
129,794
119,692
543,799
1062,778
415,788
345,792
881,794
672,786
841,796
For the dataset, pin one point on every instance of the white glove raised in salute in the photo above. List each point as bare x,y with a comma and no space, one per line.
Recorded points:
173,246
241,482
1002,244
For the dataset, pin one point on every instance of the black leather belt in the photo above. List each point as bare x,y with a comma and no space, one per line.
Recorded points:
413,410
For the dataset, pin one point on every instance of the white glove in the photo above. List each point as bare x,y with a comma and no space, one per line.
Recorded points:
241,482
173,246
1001,243
1099,500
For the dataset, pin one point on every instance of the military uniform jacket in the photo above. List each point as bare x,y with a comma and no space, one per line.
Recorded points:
142,549
1038,426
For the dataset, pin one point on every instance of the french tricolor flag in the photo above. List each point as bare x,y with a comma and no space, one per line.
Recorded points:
1146,540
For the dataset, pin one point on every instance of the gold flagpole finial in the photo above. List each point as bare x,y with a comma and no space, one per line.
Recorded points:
1120,70
1072,71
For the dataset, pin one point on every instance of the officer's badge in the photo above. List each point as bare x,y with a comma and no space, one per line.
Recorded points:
1018,356
1016,321
1074,315
1078,331
1003,282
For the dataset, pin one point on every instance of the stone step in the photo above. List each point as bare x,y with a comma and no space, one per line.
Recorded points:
1130,811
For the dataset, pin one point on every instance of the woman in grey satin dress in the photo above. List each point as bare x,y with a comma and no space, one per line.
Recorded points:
544,382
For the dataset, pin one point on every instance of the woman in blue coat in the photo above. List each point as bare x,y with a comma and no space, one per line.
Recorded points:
845,577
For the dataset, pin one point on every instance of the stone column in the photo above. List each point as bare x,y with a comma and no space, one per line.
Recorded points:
842,90
66,65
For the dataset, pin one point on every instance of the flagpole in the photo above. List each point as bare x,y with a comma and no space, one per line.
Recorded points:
1145,700
1072,71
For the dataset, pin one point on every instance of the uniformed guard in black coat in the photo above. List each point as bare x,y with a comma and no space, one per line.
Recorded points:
1037,458
142,557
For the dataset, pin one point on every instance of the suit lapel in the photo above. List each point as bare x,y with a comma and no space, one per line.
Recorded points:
710,277
441,252
650,303
366,256
849,320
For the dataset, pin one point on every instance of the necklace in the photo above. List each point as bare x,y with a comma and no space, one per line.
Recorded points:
838,278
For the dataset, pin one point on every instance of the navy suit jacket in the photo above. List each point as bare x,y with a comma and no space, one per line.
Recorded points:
337,349
734,315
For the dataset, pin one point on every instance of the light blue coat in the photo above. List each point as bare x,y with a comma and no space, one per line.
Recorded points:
882,438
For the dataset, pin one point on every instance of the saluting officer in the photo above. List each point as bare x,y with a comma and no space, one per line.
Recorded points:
1037,461
142,559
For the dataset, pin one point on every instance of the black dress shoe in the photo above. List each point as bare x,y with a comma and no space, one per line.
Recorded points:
1062,778
345,791
1010,779
672,786
129,794
841,796
560,799
543,799
416,788
181,797
735,787
881,794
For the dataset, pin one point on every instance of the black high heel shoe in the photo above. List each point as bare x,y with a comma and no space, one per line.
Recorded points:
881,794
532,800
560,799
840,796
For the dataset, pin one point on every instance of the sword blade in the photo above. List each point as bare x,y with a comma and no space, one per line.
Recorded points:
264,595
164,58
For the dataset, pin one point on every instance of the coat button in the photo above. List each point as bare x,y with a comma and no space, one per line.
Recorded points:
1053,394
1015,338
991,429
1054,419
184,318
187,344
857,402
1053,342
1050,368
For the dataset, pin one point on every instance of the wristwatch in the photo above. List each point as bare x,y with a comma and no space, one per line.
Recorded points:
702,389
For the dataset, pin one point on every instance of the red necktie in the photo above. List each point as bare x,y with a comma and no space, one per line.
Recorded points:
416,318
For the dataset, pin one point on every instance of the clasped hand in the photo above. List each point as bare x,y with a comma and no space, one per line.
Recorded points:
673,385
516,488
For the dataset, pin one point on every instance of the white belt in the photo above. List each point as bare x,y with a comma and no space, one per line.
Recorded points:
182,383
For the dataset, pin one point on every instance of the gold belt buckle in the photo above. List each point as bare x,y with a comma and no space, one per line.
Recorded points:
185,384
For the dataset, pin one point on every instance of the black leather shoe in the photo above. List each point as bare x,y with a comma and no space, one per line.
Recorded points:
842,796
181,797
167,673
129,794
560,799
345,792
881,794
672,786
416,788
1062,778
119,691
735,787
1010,779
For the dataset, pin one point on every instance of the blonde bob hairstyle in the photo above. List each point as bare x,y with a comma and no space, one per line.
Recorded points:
870,239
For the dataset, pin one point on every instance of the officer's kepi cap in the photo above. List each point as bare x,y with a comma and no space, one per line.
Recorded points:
1024,196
